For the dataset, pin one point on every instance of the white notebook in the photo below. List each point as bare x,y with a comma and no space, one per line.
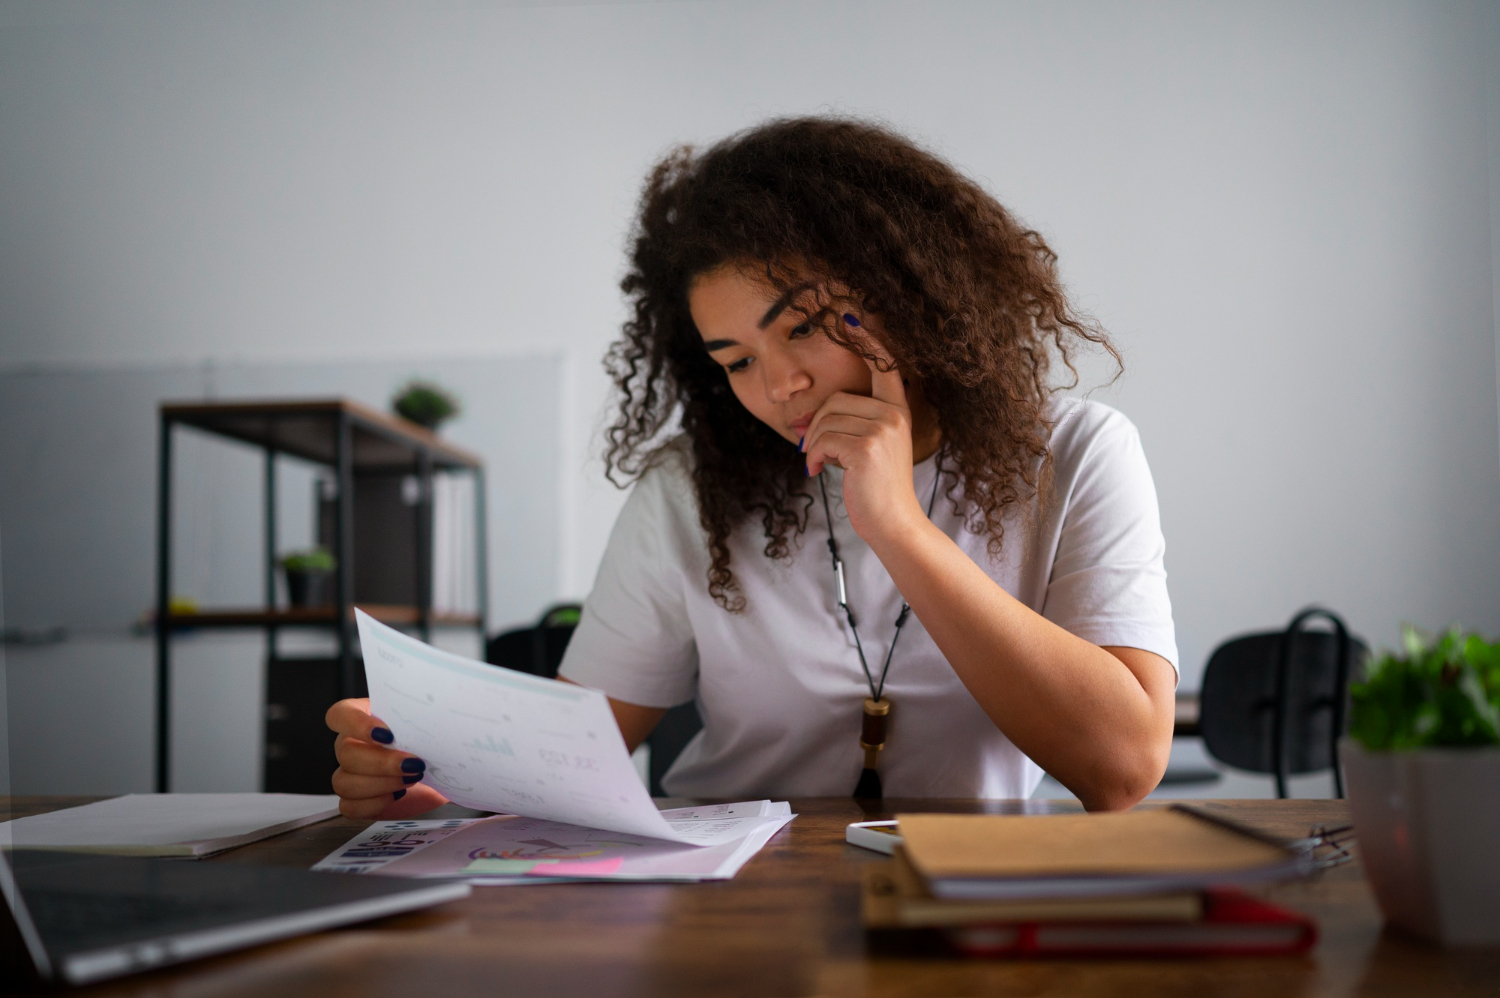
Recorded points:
188,825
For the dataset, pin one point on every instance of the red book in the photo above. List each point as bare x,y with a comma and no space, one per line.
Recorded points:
1233,924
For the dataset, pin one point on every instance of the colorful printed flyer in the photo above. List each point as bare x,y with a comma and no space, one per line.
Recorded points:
509,849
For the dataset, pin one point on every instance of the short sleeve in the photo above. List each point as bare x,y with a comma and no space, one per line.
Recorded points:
1108,583
634,640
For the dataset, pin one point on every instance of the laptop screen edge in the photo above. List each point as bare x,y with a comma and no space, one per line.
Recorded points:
97,965
20,914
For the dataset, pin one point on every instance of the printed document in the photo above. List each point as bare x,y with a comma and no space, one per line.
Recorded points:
499,740
512,850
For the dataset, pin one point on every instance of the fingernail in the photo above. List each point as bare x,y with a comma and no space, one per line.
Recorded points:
849,318
807,471
800,441
398,795
413,766
382,735
413,778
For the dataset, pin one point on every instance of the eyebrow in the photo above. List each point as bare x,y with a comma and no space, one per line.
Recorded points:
779,305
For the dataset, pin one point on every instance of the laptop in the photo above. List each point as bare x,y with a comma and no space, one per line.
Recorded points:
84,917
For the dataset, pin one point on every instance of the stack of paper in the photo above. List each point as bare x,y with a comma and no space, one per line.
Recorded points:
1149,881
549,757
508,849
188,825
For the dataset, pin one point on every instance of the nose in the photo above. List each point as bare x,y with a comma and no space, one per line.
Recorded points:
784,375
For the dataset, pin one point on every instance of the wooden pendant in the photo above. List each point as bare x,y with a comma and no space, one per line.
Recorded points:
872,733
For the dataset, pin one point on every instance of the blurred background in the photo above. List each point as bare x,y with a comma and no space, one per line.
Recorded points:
1286,213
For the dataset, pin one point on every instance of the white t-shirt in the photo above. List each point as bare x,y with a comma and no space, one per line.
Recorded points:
779,685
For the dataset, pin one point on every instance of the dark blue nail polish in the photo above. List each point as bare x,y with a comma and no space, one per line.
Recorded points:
849,318
413,778
413,766
800,442
382,735
398,795
807,471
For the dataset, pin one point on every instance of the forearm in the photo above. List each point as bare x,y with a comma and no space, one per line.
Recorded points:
1099,725
635,722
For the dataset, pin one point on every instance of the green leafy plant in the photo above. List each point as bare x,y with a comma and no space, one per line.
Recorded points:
1443,692
311,560
425,404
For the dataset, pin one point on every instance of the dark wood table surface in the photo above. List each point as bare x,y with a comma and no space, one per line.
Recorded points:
787,925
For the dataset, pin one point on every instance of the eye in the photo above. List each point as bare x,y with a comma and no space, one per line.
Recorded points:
797,332
736,366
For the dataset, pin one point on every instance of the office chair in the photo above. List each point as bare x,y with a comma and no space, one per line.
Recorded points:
1275,702
538,650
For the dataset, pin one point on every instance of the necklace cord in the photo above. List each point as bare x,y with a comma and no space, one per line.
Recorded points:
838,575
876,689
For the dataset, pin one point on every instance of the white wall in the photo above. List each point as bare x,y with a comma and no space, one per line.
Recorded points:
1282,210
1490,40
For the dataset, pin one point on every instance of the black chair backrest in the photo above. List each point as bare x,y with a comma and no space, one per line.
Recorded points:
538,650
667,740
1281,689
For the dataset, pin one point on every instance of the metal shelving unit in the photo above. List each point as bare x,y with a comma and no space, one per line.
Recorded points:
352,440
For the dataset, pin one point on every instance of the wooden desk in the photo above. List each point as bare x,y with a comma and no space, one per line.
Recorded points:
787,925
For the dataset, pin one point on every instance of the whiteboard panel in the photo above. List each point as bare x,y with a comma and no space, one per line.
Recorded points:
78,483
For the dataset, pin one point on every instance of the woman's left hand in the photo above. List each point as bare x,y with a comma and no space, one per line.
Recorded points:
870,438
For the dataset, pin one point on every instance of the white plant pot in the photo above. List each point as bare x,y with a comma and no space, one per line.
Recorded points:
1428,825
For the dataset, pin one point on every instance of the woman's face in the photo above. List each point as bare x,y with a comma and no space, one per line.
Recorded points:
780,368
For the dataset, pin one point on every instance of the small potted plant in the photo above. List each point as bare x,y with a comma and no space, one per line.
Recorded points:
425,404
1423,767
308,576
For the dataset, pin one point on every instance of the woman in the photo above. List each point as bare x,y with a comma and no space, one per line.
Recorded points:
856,342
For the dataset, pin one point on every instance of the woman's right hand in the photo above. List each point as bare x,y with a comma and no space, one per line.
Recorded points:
374,781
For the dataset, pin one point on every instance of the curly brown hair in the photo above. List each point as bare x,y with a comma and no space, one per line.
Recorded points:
970,300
